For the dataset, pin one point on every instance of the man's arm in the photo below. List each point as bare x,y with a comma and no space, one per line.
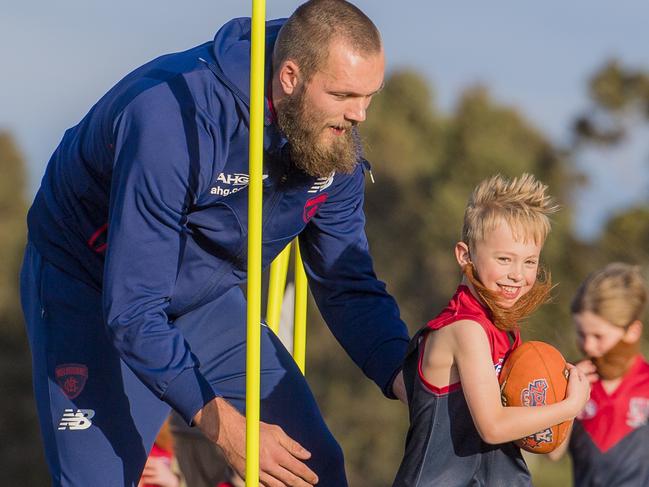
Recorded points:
155,180
363,317
589,369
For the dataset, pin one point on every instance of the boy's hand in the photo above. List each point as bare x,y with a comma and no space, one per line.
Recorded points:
578,391
589,369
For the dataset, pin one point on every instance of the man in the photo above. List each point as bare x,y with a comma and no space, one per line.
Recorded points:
137,248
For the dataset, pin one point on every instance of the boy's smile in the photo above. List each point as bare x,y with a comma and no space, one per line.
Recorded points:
510,292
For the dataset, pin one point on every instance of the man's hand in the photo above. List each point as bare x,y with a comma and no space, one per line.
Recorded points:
280,457
399,388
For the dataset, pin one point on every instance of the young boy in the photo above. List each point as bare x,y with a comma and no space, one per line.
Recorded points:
609,443
460,434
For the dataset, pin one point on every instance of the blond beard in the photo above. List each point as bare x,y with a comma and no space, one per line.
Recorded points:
508,319
303,129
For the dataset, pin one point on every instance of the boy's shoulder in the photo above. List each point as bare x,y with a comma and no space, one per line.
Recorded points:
467,315
463,307
466,323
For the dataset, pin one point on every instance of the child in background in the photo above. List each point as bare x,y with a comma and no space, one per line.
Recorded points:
160,469
609,443
460,434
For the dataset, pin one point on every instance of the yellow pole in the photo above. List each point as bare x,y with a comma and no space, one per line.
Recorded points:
276,285
299,325
253,347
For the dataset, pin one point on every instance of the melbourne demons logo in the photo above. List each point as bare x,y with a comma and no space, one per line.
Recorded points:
534,395
638,412
312,206
71,378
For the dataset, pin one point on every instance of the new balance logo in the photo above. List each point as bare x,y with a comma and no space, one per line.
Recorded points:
76,421
322,183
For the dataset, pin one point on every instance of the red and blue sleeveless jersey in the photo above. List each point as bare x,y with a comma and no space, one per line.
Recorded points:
443,446
610,439
464,306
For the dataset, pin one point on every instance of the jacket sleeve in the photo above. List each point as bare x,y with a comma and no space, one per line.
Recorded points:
155,176
363,317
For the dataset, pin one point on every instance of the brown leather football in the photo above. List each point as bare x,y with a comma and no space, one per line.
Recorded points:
535,374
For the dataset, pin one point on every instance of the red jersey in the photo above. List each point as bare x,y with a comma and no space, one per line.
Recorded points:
610,439
443,447
158,452
464,306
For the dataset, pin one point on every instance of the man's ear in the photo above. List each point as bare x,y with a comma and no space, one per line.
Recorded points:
633,332
289,76
462,254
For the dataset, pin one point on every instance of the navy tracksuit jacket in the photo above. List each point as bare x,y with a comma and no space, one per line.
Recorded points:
145,201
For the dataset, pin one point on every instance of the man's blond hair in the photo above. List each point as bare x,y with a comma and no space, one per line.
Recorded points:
307,35
522,202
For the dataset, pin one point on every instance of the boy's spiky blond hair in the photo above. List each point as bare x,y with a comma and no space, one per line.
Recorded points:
522,202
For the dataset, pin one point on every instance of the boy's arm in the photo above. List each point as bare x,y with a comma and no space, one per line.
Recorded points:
560,451
590,371
494,422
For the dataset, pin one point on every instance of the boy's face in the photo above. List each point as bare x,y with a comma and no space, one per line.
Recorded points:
505,265
595,335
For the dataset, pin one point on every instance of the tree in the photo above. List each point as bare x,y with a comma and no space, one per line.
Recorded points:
20,462
12,229
618,95
626,237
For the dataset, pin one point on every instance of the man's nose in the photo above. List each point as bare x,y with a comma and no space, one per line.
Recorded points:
357,110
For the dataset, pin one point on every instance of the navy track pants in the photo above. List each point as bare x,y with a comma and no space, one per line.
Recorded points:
99,421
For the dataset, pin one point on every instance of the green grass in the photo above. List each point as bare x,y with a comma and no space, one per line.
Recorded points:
546,473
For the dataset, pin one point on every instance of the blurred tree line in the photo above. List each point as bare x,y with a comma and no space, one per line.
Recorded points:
21,456
425,164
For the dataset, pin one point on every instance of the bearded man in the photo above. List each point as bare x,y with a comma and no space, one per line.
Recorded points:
137,249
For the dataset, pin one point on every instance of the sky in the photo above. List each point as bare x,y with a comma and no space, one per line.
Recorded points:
59,57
